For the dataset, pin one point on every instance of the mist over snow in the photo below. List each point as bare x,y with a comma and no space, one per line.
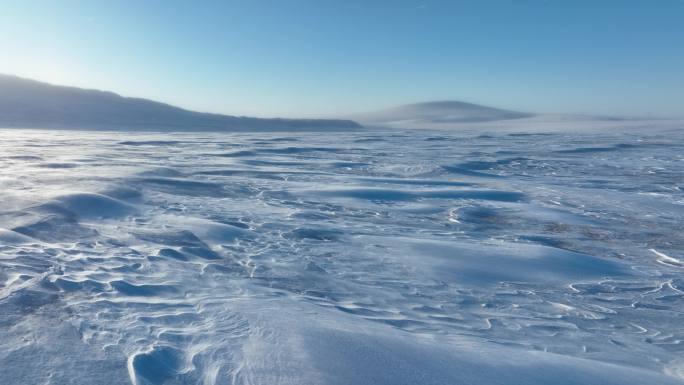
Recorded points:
455,115
431,114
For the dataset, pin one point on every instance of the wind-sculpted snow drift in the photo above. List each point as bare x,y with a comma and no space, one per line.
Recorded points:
378,257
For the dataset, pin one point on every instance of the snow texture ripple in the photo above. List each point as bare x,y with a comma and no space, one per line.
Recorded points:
402,257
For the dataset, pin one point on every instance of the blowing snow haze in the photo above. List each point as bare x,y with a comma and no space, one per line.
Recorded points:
430,114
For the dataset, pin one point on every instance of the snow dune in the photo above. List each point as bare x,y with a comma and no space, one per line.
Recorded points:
380,257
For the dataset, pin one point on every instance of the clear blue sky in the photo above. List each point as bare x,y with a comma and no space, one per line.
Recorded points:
332,57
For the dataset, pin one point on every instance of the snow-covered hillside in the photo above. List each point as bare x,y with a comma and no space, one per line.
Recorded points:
436,114
32,104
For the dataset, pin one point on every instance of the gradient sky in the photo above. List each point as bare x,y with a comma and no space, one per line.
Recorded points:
333,57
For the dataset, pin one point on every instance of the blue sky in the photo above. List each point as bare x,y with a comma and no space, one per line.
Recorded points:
333,57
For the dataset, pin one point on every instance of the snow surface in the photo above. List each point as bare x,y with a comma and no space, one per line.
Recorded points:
379,257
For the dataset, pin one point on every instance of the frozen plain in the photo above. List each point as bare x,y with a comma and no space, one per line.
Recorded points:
375,257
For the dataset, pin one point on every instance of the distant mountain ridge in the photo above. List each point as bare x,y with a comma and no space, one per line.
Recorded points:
26,103
438,113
